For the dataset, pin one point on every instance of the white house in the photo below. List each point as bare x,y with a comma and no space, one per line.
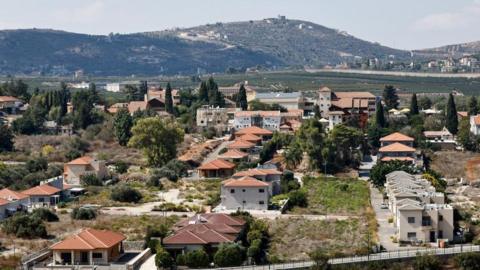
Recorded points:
475,124
246,193
270,120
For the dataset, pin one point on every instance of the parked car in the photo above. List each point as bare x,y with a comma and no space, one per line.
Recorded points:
384,206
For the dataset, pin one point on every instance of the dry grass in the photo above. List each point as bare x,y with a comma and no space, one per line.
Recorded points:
294,238
452,164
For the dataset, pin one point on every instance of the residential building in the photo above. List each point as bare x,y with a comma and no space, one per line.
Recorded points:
217,168
246,193
475,124
10,104
234,155
43,196
265,134
211,117
88,247
159,93
257,140
231,91
75,169
270,176
12,202
397,146
361,104
289,101
270,120
204,231
443,138
420,213
242,145
117,106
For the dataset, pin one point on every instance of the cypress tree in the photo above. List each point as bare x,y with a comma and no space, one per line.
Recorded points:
242,98
168,99
414,105
316,111
451,117
472,106
203,92
379,115
390,97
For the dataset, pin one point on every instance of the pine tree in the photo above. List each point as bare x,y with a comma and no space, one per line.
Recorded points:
219,100
212,88
414,105
203,92
390,97
143,88
379,115
472,106
168,99
451,117
242,98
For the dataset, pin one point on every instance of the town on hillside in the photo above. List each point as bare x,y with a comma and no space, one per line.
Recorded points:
224,176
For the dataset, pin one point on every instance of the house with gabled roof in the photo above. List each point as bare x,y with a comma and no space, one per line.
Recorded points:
12,201
245,193
397,146
217,168
88,247
204,231
75,169
270,176
43,196
270,120
234,155
241,145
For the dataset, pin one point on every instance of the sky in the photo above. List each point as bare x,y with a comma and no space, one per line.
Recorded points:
403,24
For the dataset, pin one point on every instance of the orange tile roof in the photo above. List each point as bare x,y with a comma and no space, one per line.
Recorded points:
476,119
217,164
396,147
9,194
257,172
134,106
259,113
396,137
8,99
240,144
4,202
254,130
354,95
85,160
90,239
292,113
462,114
44,189
250,138
245,181
397,158
233,153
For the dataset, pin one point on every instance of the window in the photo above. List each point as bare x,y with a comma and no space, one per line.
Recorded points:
41,199
243,190
261,202
440,234
411,235
440,218
244,202
426,221
411,219
261,190
232,191
97,255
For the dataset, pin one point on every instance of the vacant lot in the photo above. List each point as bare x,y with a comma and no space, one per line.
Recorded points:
294,238
452,164
335,196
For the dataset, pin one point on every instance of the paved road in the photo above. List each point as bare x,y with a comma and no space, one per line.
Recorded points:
398,73
216,152
149,264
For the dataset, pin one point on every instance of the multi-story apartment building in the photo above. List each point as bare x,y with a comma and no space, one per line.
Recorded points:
270,120
420,214
246,193
397,146
290,101
208,116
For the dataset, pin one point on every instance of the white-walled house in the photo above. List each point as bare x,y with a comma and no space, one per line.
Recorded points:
43,196
246,193
270,120
75,169
11,202
475,124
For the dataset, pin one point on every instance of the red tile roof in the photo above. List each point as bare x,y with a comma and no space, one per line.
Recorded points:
4,202
134,106
240,144
245,181
90,239
396,137
257,172
396,147
250,138
462,114
9,194
44,189
476,120
9,99
397,158
254,130
85,160
217,164
233,154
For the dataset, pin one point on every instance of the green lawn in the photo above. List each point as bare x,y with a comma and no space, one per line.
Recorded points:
335,196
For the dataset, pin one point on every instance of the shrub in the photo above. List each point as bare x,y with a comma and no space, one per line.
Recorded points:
83,214
159,232
426,262
45,214
125,193
468,261
163,258
37,164
297,198
320,257
181,259
196,259
121,166
90,180
25,226
229,255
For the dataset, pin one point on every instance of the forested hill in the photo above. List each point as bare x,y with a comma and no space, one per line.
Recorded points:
210,48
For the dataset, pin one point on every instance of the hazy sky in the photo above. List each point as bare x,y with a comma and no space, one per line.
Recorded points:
405,24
